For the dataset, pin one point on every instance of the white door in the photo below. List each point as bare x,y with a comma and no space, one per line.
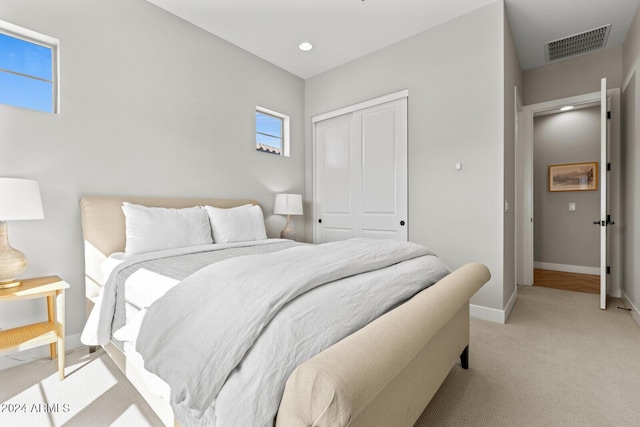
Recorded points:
604,219
360,167
609,185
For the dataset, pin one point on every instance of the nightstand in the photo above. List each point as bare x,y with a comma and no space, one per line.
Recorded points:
50,332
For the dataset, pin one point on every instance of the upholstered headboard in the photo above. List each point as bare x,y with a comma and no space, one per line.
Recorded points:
103,220
103,225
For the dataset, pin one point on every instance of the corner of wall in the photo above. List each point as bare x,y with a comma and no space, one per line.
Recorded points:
635,313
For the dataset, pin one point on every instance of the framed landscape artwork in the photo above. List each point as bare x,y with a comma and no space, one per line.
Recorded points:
573,177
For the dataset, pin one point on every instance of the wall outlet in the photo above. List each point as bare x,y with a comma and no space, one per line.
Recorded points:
572,207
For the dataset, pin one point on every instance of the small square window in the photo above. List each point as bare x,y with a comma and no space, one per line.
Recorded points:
272,132
28,65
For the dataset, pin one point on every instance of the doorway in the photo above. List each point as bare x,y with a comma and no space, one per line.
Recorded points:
525,187
566,242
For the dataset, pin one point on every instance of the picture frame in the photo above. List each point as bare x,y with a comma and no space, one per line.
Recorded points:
573,177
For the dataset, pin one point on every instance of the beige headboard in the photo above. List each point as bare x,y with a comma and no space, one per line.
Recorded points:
103,219
103,224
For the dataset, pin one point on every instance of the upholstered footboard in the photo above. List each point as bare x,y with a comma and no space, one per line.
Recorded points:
386,373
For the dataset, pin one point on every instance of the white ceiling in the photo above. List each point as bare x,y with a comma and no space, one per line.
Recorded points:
343,30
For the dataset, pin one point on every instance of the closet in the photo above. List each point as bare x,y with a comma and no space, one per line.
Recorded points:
360,172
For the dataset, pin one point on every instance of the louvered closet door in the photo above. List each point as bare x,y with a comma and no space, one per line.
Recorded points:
361,174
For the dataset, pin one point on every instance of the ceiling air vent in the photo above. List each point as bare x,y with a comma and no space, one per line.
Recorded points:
577,44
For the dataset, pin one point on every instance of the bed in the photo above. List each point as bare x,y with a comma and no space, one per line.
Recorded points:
383,372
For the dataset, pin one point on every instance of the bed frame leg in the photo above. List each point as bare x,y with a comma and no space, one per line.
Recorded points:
92,348
464,358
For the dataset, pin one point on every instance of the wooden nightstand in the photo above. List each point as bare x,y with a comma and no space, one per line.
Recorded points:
37,334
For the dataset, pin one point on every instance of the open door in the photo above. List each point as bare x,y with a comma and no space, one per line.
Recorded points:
609,184
604,219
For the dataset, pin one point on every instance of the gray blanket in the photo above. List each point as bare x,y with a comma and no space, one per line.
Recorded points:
226,306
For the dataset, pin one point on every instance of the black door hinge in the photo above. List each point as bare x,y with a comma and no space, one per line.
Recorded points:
608,114
608,166
608,270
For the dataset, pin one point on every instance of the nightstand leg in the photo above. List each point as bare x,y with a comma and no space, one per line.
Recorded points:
60,329
51,316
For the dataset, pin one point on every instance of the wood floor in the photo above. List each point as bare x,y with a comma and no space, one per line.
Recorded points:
567,281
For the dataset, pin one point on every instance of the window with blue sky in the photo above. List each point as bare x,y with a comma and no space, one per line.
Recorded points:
272,132
27,73
268,133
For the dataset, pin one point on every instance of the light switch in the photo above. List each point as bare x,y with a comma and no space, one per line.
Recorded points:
572,206
458,166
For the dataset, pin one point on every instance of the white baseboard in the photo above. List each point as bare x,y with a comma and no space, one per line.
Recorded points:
510,304
486,313
635,313
492,314
71,343
567,268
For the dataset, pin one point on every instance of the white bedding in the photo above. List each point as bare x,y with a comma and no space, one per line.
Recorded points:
248,322
251,393
97,330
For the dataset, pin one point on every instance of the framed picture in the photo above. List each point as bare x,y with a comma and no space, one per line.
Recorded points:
574,177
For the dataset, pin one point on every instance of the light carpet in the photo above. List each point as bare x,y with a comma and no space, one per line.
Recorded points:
559,361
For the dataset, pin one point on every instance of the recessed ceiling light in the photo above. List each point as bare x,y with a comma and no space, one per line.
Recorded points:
567,108
305,46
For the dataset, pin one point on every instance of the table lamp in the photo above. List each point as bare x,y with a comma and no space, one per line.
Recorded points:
288,204
19,200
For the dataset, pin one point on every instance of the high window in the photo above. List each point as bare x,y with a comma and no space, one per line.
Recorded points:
272,132
28,69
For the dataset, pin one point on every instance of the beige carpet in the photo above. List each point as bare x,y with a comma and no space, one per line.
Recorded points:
559,361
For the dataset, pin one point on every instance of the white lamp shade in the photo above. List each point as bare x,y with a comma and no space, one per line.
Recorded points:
288,204
20,199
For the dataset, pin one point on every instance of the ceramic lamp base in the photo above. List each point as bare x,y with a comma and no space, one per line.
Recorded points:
12,262
288,233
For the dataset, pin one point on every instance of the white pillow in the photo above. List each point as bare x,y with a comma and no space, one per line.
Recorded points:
239,224
154,229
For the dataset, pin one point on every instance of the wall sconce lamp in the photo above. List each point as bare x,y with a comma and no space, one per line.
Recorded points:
19,200
288,204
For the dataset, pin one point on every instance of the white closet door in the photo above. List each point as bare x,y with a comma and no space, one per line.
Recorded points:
335,160
361,174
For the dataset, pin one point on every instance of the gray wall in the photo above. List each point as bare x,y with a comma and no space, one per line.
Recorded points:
456,115
150,105
631,166
574,76
512,79
562,236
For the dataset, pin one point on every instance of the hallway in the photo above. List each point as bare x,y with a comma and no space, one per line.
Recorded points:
567,281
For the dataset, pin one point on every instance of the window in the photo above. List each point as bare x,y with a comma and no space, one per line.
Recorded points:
28,69
272,132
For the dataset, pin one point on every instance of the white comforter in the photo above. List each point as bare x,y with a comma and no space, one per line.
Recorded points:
247,322
97,330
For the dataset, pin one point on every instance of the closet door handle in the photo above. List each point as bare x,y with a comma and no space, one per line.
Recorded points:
402,223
